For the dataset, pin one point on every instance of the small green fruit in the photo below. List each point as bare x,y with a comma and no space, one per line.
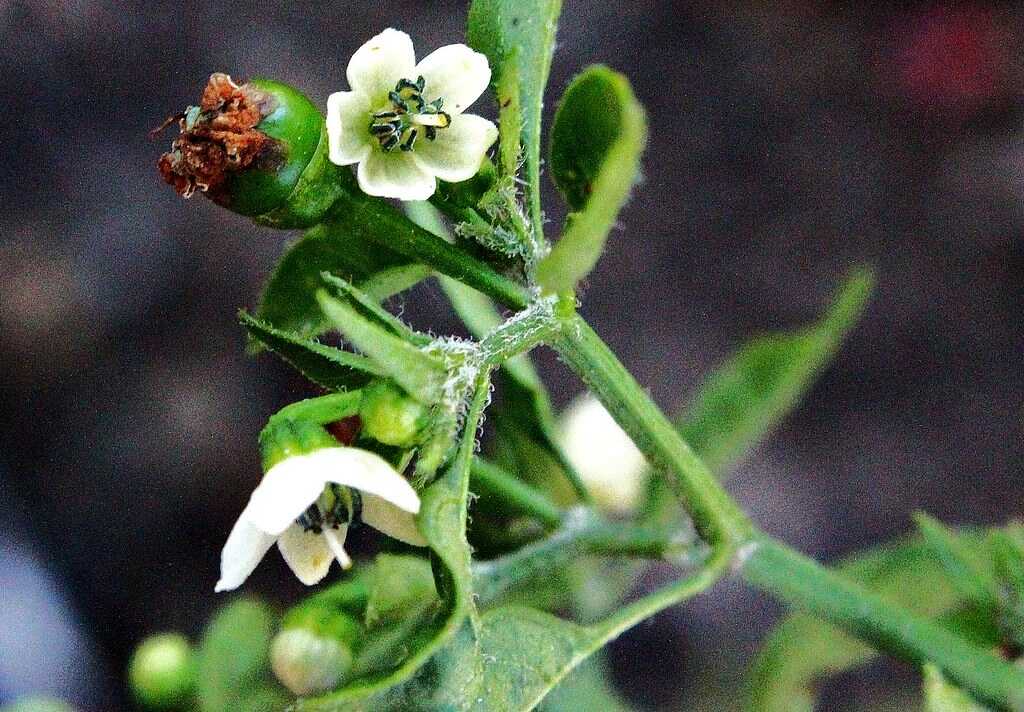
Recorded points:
390,416
162,671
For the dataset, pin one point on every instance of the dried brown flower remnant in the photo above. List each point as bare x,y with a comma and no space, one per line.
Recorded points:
217,137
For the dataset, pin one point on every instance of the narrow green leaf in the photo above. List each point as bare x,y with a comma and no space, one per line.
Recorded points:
803,650
518,37
371,308
420,374
968,569
942,696
324,365
288,300
748,395
595,159
233,667
588,687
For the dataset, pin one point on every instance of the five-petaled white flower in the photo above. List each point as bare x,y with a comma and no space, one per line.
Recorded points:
304,503
403,122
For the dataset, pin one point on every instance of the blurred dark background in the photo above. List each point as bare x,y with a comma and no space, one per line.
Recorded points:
790,140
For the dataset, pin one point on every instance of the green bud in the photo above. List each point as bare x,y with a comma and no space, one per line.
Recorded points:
313,651
259,149
161,672
284,438
390,416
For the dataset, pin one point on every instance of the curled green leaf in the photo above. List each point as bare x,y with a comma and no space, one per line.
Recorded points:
599,133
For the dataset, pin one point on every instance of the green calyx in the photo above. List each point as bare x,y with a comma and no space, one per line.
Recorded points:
390,416
313,651
162,671
290,438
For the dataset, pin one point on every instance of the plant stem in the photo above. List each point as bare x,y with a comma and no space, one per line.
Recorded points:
514,493
412,241
581,533
792,577
718,519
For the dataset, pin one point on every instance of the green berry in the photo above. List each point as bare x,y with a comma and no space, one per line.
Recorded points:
162,671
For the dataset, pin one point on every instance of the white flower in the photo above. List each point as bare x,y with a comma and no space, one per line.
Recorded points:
296,506
403,122
610,465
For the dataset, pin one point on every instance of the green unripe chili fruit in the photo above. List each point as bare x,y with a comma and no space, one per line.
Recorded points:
162,672
390,416
258,149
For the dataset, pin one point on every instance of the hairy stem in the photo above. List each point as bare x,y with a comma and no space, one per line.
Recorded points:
582,533
718,519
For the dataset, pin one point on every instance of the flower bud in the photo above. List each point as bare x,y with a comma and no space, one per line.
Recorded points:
610,465
257,148
162,671
390,416
313,651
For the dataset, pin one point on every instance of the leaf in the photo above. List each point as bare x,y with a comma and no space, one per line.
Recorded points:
595,159
371,309
942,696
968,569
1007,549
749,394
288,300
420,374
802,650
326,366
396,585
518,38
233,667
588,687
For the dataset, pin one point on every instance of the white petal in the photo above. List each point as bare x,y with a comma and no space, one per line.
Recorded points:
396,523
457,152
395,175
336,541
306,553
348,120
377,66
288,488
244,549
455,73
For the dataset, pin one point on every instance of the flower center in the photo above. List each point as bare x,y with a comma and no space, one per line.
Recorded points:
407,117
335,507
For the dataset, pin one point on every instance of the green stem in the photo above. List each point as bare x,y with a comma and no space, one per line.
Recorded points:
412,241
718,519
514,493
792,577
582,533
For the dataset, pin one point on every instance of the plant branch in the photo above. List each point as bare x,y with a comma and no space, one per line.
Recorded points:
794,578
582,533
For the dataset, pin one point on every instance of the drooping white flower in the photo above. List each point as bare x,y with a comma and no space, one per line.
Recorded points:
610,465
302,504
404,123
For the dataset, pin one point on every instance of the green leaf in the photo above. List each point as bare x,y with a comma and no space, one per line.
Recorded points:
1007,549
371,309
326,366
288,300
518,37
942,696
803,650
596,141
395,586
233,667
419,373
756,388
968,569
588,687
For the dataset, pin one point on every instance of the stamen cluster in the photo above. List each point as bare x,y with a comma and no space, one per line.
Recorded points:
399,125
